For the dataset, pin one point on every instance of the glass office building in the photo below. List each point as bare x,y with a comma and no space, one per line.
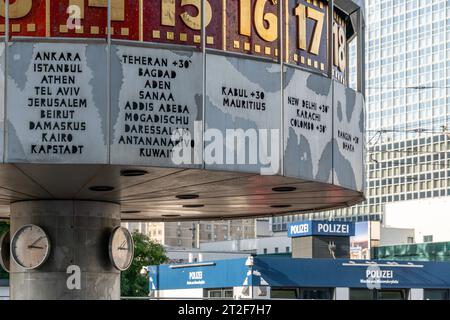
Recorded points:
438,252
407,104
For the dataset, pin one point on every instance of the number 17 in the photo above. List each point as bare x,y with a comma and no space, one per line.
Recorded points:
303,12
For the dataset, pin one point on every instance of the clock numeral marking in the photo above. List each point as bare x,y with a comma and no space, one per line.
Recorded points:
302,12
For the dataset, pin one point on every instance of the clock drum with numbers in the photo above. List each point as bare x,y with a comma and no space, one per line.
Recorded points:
5,254
30,247
155,72
121,248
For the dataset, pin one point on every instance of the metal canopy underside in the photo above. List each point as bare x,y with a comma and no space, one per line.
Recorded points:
152,197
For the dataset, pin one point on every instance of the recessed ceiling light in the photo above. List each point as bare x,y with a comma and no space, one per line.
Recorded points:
280,206
191,206
170,215
187,196
101,188
284,189
133,173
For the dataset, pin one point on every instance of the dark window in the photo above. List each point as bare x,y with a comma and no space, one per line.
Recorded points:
276,293
366,294
361,294
427,238
435,294
391,295
316,294
219,293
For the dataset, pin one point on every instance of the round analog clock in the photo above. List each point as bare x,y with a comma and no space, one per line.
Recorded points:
121,248
30,247
5,253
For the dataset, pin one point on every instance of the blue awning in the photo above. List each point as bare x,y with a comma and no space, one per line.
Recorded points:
288,272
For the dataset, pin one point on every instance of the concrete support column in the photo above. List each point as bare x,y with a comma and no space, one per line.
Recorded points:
79,232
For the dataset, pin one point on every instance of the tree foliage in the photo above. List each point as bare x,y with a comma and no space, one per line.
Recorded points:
146,252
4,227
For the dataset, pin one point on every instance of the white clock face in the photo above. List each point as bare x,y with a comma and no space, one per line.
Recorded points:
121,248
30,247
5,251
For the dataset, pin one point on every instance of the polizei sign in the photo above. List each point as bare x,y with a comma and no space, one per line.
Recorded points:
321,228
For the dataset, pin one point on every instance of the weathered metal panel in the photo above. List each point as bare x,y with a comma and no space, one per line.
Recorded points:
308,126
348,138
242,95
57,103
155,92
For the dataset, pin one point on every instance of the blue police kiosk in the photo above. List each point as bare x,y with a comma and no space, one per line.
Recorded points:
262,277
321,239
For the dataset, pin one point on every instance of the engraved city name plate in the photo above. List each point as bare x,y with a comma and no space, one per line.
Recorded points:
243,115
156,107
308,125
57,103
348,138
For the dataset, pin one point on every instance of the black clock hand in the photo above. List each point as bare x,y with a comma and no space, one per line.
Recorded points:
35,247
39,239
